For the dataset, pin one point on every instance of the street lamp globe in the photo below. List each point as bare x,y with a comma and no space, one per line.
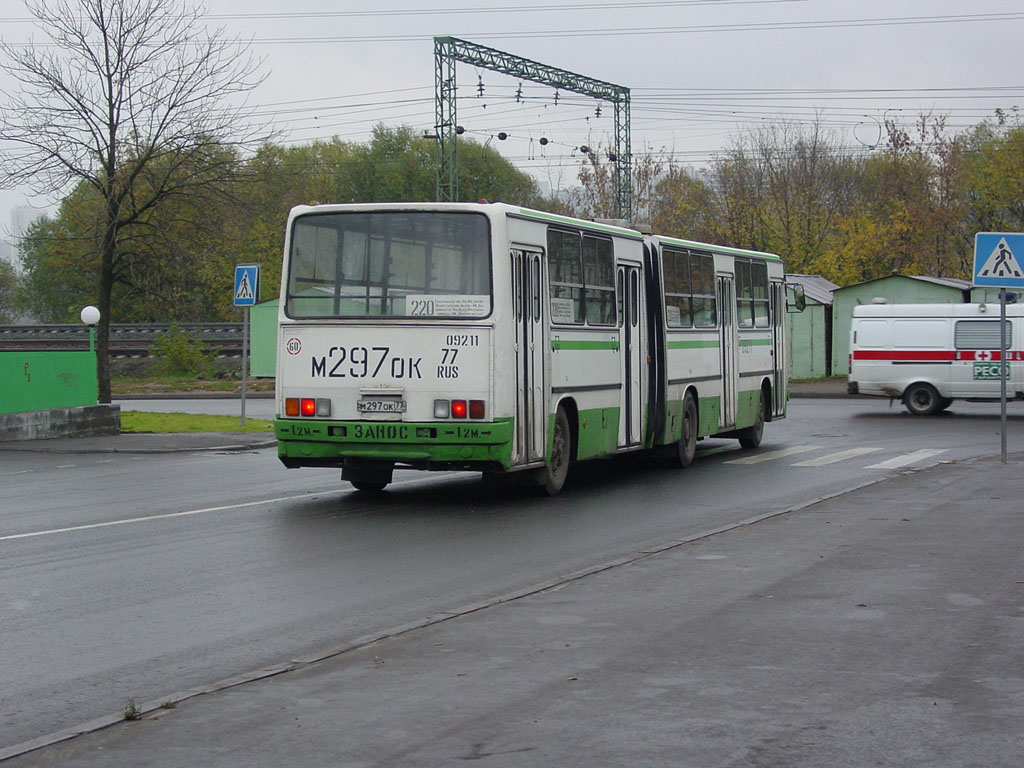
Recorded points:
90,315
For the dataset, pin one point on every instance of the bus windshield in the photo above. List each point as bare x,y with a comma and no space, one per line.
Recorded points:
400,264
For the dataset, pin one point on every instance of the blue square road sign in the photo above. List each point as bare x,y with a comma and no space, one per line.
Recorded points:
999,259
247,285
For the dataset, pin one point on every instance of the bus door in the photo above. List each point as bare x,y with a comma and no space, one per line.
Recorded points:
529,355
779,357
631,352
727,302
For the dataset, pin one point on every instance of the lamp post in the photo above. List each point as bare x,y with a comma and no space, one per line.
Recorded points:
90,316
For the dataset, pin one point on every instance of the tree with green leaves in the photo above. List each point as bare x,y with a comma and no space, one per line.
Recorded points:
8,292
132,98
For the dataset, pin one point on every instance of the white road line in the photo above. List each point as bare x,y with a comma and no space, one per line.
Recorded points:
758,458
191,512
169,515
832,458
908,458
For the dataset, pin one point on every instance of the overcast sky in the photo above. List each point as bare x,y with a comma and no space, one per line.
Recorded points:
700,71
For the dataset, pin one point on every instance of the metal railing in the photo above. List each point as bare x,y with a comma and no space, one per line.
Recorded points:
126,339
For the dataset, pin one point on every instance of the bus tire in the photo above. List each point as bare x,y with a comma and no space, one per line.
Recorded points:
922,399
751,436
554,473
368,486
687,446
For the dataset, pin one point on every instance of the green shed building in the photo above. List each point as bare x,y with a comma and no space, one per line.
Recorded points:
895,289
810,331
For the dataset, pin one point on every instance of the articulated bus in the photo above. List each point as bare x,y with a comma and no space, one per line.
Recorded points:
496,338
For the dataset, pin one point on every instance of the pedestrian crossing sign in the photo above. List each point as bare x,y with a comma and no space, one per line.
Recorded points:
247,285
998,259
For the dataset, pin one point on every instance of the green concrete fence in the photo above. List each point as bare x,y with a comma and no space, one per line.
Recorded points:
40,381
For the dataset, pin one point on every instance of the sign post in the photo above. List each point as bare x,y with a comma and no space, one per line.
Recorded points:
247,293
998,262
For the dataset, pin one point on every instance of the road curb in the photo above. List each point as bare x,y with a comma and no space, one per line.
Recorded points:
227,448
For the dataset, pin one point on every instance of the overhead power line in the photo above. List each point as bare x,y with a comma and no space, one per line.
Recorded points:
468,9
772,26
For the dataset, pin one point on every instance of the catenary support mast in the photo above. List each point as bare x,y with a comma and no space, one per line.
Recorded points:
449,50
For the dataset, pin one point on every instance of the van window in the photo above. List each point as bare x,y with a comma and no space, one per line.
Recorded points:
873,334
920,334
980,334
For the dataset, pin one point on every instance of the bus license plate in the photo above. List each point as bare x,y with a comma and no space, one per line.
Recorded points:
380,406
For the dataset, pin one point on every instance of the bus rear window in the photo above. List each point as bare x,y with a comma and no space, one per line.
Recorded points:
389,264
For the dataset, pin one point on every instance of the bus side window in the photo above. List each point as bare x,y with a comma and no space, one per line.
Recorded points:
620,295
565,277
678,309
759,294
599,280
634,298
535,287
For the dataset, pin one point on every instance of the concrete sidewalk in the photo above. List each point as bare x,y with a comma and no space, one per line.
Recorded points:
131,442
881,627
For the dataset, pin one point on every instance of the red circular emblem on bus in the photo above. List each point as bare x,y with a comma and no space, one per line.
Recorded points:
293,346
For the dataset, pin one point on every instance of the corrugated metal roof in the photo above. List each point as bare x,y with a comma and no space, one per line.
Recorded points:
951,282
815,287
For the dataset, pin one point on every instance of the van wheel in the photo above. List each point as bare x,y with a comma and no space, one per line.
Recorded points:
552,476
688,442
751,436
921,399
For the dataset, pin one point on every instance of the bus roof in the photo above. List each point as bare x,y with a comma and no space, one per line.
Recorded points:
530,213
715,248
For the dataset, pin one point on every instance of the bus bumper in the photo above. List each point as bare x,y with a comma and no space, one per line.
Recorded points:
429,445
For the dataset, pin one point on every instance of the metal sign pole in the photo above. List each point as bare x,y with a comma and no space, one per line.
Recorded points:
999,263
1002,369
247,293
245,357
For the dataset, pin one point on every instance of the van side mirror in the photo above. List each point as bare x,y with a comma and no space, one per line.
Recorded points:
796,299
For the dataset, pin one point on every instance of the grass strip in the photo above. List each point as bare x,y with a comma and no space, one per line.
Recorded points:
168,423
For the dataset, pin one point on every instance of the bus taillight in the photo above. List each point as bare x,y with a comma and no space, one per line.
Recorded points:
307,406
459,409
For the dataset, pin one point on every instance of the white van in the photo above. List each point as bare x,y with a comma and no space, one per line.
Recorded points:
931,354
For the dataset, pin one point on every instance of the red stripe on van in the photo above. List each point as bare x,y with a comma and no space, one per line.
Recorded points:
936,356
907,355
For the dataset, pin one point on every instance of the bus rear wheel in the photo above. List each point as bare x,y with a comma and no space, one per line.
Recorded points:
688,441
367,475
553,475
368,487
751,436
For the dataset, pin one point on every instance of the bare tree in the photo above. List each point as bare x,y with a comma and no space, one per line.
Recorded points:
138,100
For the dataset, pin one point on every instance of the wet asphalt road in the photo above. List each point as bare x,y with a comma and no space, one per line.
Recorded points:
190,568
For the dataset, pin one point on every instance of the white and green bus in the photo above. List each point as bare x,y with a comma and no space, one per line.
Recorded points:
496,338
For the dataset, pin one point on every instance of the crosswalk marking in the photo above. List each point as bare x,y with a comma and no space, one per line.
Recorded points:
758,458
908,458
896,462
832,458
